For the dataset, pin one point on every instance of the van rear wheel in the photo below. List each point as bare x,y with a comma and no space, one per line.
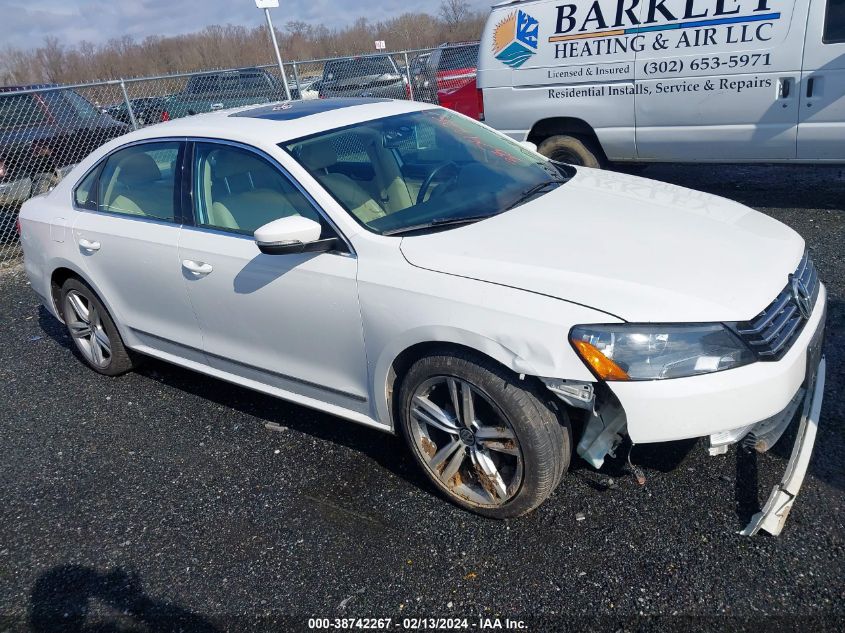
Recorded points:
573,150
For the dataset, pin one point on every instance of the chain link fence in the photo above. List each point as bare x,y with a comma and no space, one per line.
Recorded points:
46,130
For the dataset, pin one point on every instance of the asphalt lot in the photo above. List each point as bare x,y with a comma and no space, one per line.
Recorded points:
160,500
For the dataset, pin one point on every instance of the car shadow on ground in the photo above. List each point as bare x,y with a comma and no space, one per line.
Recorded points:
74,598
387,450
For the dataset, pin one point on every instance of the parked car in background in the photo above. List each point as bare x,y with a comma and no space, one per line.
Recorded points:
448,67
467,99
416,69
309,88
147,110
370,76
43,134
216,91
742,81
403,267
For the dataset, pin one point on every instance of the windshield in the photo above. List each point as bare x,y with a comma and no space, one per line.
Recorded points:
423,170
360,67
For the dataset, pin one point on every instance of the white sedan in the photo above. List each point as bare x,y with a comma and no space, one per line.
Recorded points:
401,266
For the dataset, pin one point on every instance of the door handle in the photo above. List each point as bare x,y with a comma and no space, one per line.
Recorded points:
785,87
216,106
89,246
811,85
200,269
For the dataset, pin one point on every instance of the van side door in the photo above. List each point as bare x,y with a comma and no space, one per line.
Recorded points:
821,126
719,81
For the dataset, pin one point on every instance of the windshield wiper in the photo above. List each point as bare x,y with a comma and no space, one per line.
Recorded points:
533,191
438,222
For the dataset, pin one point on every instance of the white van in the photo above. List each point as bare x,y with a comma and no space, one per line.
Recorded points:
591,81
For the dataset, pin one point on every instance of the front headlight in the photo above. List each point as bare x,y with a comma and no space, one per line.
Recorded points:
658,352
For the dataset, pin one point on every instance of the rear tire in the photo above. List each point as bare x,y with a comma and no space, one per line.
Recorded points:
484,438
93,331
572,150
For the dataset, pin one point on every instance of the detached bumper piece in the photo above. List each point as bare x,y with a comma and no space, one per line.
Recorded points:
774,514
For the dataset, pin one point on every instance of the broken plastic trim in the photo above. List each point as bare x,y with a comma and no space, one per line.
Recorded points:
604,430
576,394
774,514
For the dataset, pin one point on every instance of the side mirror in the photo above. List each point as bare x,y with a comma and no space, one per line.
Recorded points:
529,145
290,235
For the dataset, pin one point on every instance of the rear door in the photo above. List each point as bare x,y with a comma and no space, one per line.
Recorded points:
128,234
821,128
719,81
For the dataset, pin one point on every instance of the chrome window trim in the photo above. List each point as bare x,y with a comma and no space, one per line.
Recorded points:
285,173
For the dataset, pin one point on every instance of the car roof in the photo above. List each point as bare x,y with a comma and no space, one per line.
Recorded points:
278,122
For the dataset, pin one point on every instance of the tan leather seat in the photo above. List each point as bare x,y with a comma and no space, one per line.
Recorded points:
236,202
135,189
318,156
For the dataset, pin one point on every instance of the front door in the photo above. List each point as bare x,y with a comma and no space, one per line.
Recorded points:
288,321
127,232
821,128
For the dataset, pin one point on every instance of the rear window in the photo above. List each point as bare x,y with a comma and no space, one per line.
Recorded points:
834,22
360,67
19,111
83,108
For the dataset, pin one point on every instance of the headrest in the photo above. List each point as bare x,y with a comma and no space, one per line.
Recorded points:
318,155
138,169
228,163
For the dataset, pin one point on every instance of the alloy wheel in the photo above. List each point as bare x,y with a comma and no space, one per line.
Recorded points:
86,329
465,441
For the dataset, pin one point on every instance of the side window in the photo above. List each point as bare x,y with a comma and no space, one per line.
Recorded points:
834,22
85,196
142,181
239,191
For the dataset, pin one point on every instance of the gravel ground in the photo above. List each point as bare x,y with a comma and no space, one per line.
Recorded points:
161,500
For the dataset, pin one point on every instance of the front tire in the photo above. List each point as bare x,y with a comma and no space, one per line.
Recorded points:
93,331
484,438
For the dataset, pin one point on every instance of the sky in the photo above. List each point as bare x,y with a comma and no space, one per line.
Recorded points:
26,24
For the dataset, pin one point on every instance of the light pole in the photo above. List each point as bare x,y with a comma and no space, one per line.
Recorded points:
267,5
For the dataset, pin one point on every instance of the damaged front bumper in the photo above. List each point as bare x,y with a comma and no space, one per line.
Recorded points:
774,514
803,371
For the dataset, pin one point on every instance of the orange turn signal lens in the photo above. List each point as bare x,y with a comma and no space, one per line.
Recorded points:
603,367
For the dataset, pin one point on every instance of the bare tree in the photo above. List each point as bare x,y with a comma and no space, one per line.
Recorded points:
51,58
225,46
454,12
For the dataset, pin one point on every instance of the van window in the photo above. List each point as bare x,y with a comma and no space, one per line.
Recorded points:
834,22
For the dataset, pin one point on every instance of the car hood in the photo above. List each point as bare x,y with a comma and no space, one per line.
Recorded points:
640,250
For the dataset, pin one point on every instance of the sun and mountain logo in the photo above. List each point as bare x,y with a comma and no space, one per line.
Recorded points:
515,39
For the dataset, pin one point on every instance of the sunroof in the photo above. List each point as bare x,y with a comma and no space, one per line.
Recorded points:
289,110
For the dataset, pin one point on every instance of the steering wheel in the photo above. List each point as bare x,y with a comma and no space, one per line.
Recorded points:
430,178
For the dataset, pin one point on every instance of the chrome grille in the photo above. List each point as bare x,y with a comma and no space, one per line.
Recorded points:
772,333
